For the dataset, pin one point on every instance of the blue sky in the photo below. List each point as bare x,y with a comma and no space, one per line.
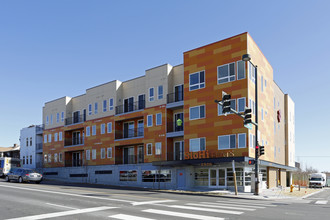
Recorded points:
49,49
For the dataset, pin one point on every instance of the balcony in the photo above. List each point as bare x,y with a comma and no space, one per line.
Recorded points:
173,130
70,142
130,107
40,129
75,120
129,133
174,100
39,148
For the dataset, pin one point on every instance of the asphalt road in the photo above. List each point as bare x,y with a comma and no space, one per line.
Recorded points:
75,201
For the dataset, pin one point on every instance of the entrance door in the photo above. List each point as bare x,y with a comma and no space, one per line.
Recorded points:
129,104
76,159
128,156
178,91
142,101
76,138
217,177
176,117
181,179
178,150
128,129
76,117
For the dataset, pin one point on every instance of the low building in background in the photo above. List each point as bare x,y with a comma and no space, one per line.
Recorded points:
13,151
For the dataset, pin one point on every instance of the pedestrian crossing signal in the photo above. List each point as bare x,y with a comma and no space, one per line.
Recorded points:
252,162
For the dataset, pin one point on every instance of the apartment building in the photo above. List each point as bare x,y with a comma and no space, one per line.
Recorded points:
164,129
31,146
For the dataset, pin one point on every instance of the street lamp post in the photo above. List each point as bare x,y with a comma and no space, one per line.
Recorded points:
247,57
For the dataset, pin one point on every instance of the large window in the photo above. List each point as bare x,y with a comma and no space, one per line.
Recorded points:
197,80
158,148
129,175
226,142
197,112
239,177
242,140
196,144
156,176
241,70
160,92
226,73
151,94
201,177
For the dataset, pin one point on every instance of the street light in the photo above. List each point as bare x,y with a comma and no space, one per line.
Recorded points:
247,58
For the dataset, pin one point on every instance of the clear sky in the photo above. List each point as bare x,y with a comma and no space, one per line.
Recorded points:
55,48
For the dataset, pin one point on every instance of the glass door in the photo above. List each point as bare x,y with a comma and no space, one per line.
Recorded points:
178,150
217,177
178,126
222,177
213,178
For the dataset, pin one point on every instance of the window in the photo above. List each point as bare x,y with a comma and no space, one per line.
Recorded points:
49,158
109,127
227,142
159,119
262,114
262,83
55,136
55,157
149,149
49,138
252,140
226,73
88,154
240,70
201,177
45,158
93,154
94,130
160,92
151,94
196,144
60,159
102,153
57,117
149,120
104,105
102,128
95,108
23,160
30,141
242,140
88,131
252,72
109,152
60,135
51,119
47,119
129,175
265,83
241,104
156,176
62,116
158,148
110,104
27,142
197,112
197,80
90,109
27,159
45,138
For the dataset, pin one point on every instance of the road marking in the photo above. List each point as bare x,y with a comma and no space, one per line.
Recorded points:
321,202
128,217
221,206
180,214
251,203
62,206
205,209
152,202
65,213
237,205
68,194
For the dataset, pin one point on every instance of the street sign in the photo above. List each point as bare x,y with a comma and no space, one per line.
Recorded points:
249,126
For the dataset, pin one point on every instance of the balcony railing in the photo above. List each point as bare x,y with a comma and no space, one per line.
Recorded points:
130,107
40,128
130,159
39,146
173,127
73,141
74,163
75,120
129,133
175,97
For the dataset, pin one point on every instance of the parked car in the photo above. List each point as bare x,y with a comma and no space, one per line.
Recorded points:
23,175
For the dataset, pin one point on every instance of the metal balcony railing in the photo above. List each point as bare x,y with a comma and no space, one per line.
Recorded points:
174,127
75,120
73,163
130,107
175,97
129,133
73,141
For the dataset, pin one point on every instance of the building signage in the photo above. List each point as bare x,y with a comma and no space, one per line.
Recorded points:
206,154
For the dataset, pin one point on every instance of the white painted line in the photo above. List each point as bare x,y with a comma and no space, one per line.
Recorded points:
245,206
128,217
152,202
65,213
62,206
205,209
250,203
180,214
67,194
221,206
321,202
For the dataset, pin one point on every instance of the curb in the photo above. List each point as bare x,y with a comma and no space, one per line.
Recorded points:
306,196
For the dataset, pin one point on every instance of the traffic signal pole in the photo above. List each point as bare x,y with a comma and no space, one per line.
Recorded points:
256,173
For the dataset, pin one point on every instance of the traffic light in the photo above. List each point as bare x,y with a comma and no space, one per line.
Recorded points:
261,150
225,103
247,116
252,162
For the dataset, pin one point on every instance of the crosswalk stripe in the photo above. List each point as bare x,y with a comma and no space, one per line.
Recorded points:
221,206
245,206
251,203
321,202
180,214
205,209
128,217
152,202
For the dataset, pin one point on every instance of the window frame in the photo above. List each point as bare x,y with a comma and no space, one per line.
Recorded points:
241,61
109,149
160,96
60,136
88,131
103,153
151,116
94,154
200,141
109,125
110,104
200,84
158,147
228,76
96,108
157,124
147,146
229,139
62,116
88,154
93,130
151,98
199,112
238,140
102,126
90,109
105,105
238,109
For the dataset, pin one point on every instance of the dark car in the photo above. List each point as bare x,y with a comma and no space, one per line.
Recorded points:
23,175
